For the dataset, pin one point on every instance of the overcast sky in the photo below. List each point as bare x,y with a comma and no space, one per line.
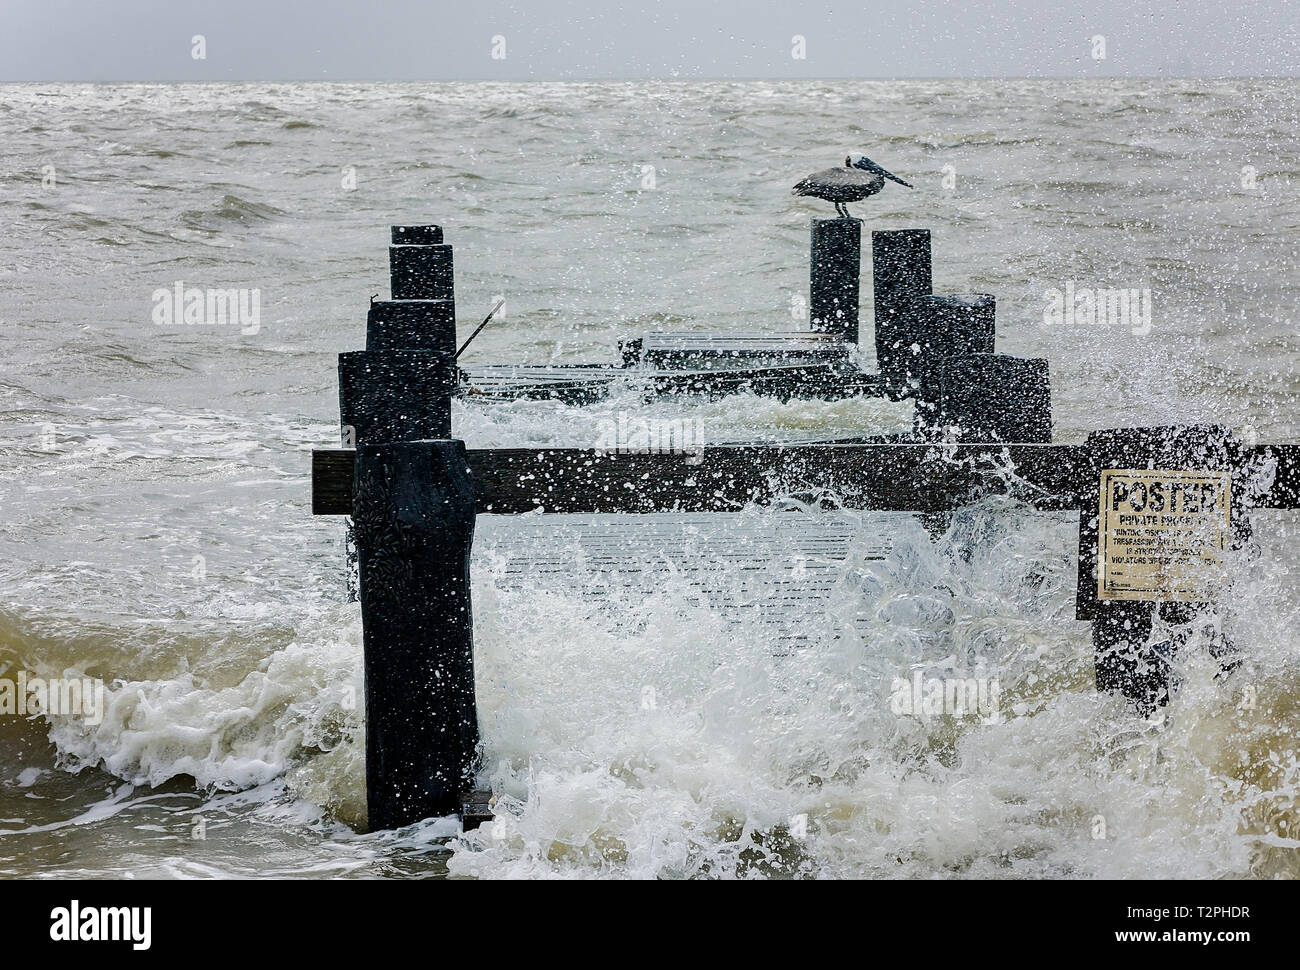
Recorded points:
153,40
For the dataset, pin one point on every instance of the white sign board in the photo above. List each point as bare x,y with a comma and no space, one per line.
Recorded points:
1162,533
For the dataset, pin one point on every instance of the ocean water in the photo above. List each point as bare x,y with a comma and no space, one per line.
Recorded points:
156,531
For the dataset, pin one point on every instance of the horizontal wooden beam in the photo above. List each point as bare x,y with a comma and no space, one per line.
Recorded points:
886,477
883,477
582,384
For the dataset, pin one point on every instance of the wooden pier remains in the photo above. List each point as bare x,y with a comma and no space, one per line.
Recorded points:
1159,508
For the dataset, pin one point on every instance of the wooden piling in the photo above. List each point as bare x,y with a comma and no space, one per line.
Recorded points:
396,395
412,529
420,264
428,325
420,317
413,508
901,272
835,268
933,328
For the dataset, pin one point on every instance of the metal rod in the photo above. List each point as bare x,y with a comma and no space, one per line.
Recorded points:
486,320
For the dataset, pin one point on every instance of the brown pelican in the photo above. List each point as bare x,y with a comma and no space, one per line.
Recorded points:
859,178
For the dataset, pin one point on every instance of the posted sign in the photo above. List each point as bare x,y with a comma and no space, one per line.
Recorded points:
1162,533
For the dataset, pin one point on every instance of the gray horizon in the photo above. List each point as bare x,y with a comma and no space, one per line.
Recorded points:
583,40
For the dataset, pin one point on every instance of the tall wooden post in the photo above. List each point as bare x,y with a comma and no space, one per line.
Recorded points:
835,268
413,508
900,272
421,317
413,529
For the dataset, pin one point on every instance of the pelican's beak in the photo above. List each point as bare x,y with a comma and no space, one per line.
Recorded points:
890,175
871,166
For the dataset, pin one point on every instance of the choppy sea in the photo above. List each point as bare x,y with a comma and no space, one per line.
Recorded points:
155,531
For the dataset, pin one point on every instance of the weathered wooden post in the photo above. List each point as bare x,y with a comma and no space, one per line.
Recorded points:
396,395
420,264
428,325
412,529
420,317
1169,505
900,272
422,312
413,509
933,328
939,348
835,269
